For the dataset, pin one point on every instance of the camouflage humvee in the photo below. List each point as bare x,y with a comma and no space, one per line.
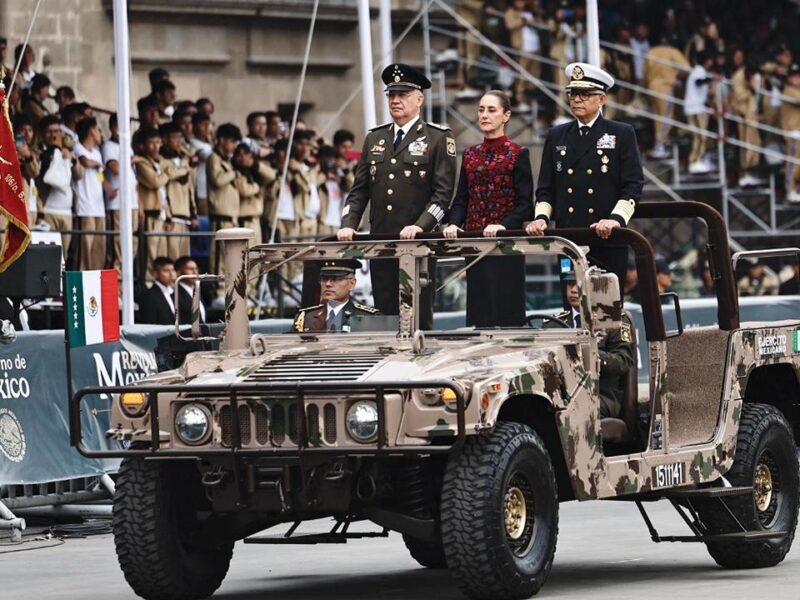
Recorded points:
463,441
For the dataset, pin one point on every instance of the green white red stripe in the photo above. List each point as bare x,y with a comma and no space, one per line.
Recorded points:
93,301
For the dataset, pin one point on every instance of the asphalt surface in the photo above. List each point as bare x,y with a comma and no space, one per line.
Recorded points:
604,551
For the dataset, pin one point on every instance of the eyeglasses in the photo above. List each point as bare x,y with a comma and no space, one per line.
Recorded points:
582,95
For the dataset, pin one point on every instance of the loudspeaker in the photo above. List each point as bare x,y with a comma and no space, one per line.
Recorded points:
35,274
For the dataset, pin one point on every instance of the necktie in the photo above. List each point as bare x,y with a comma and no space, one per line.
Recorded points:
584,130
398,138
330,323
577,320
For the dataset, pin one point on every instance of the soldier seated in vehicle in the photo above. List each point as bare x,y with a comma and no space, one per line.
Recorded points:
337,278
616,348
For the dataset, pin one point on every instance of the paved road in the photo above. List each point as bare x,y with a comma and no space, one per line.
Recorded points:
603,552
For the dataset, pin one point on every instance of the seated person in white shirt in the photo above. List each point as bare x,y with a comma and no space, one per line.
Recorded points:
156,306
186,266
337,278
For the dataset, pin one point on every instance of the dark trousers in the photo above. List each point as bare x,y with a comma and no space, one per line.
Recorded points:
496,292
385,275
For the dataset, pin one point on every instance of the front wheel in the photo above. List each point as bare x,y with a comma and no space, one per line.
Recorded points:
765,459
155,516
500,514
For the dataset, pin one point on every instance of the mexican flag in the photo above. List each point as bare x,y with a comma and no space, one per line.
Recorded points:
92,298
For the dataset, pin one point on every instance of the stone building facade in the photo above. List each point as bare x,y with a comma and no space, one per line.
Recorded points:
244,54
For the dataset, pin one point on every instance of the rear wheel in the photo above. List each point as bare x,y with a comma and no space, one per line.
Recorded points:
765,459
156,508
500,514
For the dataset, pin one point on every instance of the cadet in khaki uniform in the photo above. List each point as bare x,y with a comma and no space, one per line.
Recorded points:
660,77
406,173
336,279
746,106
616,350
180,191
223,196
790,122
591,172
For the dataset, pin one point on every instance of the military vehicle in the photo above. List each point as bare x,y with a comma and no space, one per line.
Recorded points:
463,441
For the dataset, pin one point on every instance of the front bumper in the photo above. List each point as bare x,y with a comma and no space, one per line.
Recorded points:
240,396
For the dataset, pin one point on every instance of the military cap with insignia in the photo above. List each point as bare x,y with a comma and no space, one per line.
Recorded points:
586,77
339,268
403,78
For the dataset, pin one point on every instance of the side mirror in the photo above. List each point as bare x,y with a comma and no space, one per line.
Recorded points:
605,301
194,281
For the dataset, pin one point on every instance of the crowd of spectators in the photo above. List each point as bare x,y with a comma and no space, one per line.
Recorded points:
191,175
685,61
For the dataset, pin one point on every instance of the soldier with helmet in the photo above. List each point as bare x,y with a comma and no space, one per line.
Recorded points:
591,172
406,174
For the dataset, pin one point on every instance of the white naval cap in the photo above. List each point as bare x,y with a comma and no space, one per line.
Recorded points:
583,76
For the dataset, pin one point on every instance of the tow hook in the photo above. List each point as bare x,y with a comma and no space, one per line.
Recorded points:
213,477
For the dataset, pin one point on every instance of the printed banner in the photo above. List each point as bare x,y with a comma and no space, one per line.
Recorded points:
93,315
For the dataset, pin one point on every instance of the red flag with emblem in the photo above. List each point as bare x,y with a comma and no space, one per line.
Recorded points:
12,193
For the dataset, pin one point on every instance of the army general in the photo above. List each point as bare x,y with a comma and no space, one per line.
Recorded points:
591,172
406,173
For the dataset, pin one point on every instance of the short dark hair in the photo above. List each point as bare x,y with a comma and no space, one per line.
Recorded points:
157,74
229,131
271,114
281,144
84,127
243,148
163,85
48,120
162,261
181,262
200,117
169,127
20,120
71,112
203,100
18,51
39,82
326,152
65,91
178,115
184,106
145,102
253,116
148,133
342,136
302,135
112,120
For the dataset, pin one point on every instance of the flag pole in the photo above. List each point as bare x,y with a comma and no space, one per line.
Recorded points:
122,62
74,415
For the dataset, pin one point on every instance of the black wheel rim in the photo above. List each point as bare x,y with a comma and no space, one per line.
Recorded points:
767,489
519,517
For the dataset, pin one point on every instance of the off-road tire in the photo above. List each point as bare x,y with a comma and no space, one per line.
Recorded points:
430,556
764,438
487,561
152,513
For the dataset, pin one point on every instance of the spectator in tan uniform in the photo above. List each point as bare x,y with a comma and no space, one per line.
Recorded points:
251,188
33,101
790,122
664,65
469,48
223,195
746,107
180,191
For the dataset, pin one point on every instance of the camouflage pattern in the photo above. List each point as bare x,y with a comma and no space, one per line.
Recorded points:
559,367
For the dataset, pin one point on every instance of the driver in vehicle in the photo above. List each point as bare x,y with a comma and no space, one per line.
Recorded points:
616,349
337,278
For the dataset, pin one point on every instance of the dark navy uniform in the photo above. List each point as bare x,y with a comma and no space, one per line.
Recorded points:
411,184
589,177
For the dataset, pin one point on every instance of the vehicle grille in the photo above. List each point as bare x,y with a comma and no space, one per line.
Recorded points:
317,366
274,423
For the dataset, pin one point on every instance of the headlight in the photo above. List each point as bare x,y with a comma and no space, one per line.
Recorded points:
362,421
192,423
133,404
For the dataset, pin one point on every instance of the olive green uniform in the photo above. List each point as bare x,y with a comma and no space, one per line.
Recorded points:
617,351
410,185
314,318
